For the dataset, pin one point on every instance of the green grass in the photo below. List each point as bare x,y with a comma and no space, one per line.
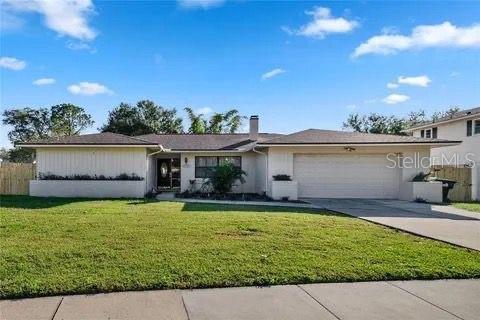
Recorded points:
470,206
54,246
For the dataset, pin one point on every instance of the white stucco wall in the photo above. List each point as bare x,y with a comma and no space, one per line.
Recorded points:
249,165
280,161
87,188
92,161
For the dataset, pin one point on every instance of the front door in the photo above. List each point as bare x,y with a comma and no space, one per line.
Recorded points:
164,173
168,173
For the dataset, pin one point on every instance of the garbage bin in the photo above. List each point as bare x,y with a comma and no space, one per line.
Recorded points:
447,185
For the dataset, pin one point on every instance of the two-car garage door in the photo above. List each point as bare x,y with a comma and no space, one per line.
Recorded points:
345,176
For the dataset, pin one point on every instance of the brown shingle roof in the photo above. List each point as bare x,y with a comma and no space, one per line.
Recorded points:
237,141
317,136
104,138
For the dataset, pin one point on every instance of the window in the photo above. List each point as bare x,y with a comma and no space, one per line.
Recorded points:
428,133
204,165
469,128
476,127
422,133
434,133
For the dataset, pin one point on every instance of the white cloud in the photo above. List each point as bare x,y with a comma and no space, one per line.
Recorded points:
454,74
420,81
205,110
69,18
78,46
44,81
323,23
392,85
395,98
351,107
200,4
272,73
424,36
12,63
89,89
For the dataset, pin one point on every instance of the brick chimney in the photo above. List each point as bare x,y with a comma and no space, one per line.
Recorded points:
253,133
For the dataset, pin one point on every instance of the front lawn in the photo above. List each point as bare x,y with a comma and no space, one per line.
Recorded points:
470,206
54,246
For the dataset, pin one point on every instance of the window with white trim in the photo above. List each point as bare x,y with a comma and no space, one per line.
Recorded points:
205,165
476,127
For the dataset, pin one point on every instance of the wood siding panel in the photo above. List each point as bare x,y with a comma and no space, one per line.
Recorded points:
92,161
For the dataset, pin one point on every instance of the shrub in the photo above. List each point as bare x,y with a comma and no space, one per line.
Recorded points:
225,176
123,176
282,177
421,176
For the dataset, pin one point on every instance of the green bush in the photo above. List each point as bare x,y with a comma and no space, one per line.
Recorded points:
225,176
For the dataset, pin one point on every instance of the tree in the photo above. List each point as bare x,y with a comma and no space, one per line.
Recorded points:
233,120
34,124
416,117
224,177
68,119
197,123
375,123
28,124
228,122
445,114
144,118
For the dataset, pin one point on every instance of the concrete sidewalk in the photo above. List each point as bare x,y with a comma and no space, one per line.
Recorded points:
439,222
441,299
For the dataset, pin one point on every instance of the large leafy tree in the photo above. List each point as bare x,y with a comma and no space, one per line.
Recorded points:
144,118
228,122
68,120
30,124
376,123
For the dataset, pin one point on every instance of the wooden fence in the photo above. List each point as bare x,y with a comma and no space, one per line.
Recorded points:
462,191
15,177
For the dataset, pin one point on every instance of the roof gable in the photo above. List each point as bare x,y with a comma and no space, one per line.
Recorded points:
186,142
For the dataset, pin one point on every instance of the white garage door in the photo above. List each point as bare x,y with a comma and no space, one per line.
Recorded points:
345,176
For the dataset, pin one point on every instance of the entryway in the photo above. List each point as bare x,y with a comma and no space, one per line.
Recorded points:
168,173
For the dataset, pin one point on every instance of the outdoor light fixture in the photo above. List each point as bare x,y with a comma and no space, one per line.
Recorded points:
186,160
349,149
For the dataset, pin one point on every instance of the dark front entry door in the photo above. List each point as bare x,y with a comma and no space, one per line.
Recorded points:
164,172
168,173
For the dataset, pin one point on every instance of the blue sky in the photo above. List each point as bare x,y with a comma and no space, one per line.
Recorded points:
296,64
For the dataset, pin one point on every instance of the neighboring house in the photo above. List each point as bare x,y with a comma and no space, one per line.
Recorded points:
462,126
322,163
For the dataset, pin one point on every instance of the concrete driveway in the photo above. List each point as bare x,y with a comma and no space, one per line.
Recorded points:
444,223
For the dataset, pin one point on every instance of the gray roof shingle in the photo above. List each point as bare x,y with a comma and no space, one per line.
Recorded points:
104,138
232,142
237,141
317,136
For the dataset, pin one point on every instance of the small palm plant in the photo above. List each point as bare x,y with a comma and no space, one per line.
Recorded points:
225,176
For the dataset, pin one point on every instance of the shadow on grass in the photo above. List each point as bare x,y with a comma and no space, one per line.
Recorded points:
209,207
28,202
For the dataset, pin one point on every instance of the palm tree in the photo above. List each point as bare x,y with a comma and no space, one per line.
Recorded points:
233,120
197,123
228,122
216,123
